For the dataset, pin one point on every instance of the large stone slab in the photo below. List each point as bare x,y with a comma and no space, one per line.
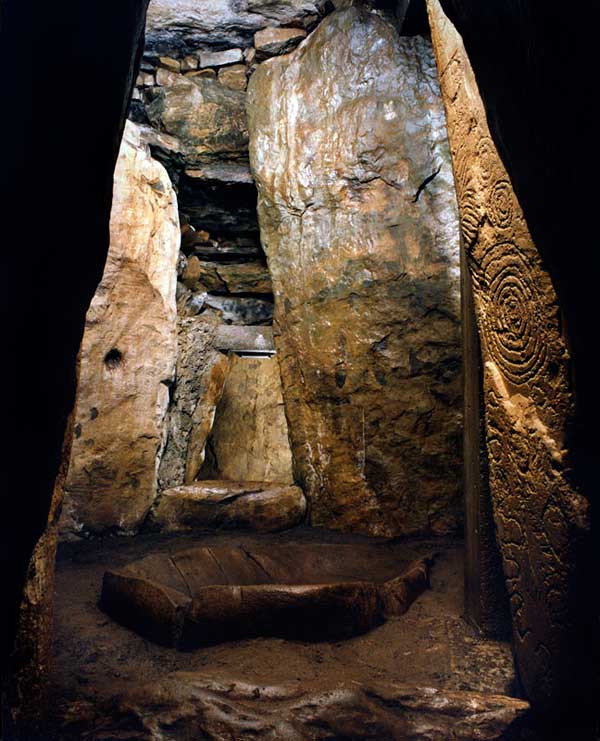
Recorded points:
198,385
541,519
229,278
210,595
207,118
245,339
177,26
128,353
249,440
358,220
230,505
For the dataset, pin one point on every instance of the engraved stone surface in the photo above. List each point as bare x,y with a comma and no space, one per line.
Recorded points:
358,220
539,517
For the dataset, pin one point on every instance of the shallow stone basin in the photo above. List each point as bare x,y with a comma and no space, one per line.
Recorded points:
309,592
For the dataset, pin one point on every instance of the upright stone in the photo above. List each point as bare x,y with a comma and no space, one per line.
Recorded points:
200,378
128,353
358,220
249,439
541,520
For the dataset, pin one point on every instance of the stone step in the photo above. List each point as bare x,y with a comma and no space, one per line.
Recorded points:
230,505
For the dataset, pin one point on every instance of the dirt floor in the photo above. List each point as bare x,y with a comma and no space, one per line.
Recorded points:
431,645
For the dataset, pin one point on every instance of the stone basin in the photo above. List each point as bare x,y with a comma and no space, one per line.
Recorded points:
299,591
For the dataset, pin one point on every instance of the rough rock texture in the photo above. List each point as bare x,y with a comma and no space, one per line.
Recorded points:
97,660
245,339
230,505
528,395
128,353
190,705
249,439
231,309
207,118
31,659
358,220
203,596
220,196
220,58
271,41
247,277
187,25
199,380
234,77
77,148
213,383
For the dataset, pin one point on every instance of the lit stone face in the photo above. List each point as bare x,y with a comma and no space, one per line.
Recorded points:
358,220
541,521
128,353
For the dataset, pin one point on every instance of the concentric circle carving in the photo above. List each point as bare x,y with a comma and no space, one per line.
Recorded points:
500,204
487,159
513,319
453,79
470,215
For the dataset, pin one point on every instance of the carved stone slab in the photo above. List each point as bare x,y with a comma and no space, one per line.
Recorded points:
528,394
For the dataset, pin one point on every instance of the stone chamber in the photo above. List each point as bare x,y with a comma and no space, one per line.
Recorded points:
310,376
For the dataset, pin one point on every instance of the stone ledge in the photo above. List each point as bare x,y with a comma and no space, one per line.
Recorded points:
228,505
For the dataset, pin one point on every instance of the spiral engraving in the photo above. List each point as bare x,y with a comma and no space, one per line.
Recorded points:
513,317
500,205
528,395
487,160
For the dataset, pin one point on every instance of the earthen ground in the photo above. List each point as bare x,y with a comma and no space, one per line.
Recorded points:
95,659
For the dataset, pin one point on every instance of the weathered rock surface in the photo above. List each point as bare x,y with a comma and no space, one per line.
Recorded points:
208,595
249,439
234,77
271,41
245,339
213,384
247,277
229,173
220,196
541,520
219,58
244,311
228,505
179,26
128,353
200,376
188,704
207,118
358,220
